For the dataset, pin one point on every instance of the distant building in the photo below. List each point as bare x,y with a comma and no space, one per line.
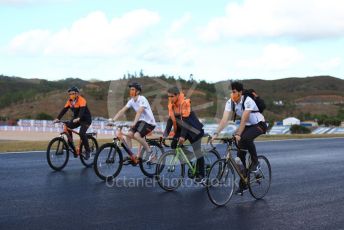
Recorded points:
291,121
278,103
309,123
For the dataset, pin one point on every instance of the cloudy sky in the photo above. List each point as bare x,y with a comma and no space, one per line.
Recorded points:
212,40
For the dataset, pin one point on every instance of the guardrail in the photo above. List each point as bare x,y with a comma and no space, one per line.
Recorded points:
100,128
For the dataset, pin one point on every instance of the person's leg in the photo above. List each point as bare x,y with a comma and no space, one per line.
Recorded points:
142,141
83,137
247,142
128,139
72,125
242,156
142,130
197,148
242,185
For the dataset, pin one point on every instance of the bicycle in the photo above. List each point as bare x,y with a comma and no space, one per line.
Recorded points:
109,158
172,163
221,177
58,149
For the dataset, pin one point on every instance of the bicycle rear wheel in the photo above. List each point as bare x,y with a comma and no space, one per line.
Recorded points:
220,182
57,153
93,144
148,162
169,171
259,182
108,161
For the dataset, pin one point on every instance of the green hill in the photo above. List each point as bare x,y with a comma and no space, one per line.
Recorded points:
305,98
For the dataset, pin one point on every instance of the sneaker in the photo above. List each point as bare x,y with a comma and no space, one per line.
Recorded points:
152,158
254,167
201,180
126,160
240,191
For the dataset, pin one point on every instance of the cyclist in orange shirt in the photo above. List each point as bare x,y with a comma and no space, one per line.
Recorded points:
81,117
186,126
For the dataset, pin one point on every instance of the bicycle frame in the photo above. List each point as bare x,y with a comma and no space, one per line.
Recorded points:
119,140
66,131
232,161
229,159
180,153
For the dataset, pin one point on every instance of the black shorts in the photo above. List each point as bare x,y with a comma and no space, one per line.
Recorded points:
143,128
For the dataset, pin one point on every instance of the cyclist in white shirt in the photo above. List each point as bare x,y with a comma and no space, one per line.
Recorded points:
144,121
252,123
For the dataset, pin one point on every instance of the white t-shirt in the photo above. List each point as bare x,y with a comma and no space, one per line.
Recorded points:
255,117
147,114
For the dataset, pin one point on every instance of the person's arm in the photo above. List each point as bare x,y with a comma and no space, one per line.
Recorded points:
227,114
186,112
183,131
120,113
244,119
249,106
63,111
225,117
138,114
82,109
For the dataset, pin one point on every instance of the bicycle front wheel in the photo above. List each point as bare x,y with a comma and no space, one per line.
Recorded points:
57,153
149,161
210,157
169,171
108,161
93,144
220,182
260,181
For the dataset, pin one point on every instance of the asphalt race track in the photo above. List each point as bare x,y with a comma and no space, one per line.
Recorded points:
307,192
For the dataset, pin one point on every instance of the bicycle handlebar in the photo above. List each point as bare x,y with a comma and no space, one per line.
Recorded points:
163,141
61,121
226,140
117,126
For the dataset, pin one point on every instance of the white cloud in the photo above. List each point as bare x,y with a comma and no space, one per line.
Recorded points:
274,57
33,41
330,64
171,48
301,19
176,50
93,35
178,24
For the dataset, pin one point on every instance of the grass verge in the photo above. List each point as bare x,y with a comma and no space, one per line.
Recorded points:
21,146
